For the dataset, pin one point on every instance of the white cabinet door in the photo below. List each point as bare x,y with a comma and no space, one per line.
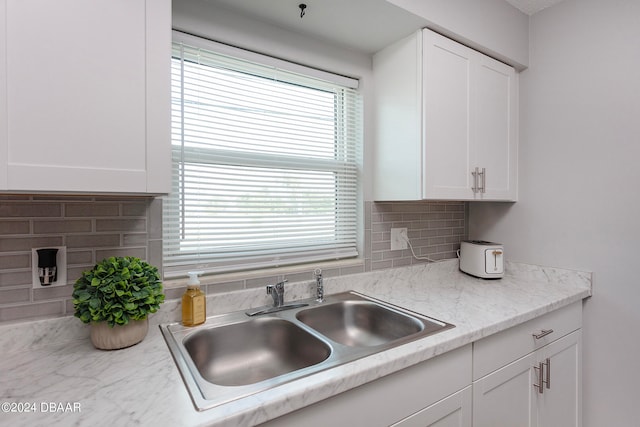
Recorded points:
561,403
447,133
510,396
507,396
452,411
80,77
494,124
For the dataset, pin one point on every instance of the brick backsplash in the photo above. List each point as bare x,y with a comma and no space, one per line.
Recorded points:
93,228
434,229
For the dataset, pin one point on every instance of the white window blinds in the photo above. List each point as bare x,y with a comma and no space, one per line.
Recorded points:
265,166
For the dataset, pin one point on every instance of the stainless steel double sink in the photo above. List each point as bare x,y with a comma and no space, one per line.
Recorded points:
233,355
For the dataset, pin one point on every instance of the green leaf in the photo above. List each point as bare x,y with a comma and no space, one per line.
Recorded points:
117,289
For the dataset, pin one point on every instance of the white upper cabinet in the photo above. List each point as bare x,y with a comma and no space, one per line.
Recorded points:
87,96
446,122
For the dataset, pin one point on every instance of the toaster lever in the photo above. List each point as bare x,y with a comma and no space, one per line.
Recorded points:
495,257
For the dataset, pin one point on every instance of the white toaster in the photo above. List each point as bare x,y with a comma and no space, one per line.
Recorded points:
482,259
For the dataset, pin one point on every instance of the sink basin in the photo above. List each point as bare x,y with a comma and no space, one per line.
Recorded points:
232,356
361,323
250,352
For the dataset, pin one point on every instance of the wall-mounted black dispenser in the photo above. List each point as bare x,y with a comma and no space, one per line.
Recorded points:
47,268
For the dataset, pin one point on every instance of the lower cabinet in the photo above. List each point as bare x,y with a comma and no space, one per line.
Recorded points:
543,388
559,403
452,411
528,375
506,397
432,393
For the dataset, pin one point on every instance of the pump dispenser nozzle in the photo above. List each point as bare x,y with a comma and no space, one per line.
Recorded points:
193,277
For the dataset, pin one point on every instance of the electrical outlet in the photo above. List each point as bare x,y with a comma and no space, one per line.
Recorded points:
398,239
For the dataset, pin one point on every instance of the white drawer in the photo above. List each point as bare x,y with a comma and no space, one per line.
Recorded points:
496,351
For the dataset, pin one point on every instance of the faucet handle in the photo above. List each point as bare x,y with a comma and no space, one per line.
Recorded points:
277,293
278,286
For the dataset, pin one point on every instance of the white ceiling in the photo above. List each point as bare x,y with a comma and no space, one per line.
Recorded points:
362,25
532,6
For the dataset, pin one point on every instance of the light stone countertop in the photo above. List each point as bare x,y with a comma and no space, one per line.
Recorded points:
50,368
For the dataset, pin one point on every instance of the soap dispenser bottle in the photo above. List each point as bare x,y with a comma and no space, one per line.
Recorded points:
194,303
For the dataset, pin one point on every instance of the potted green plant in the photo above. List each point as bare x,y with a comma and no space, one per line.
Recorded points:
115,297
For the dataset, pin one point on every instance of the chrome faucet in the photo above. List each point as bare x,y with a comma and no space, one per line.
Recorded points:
319,285
277,293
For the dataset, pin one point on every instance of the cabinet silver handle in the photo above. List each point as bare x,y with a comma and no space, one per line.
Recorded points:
548,381
542,333
484,180
540,373
475,181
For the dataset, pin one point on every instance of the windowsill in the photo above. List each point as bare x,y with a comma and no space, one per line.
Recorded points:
326,266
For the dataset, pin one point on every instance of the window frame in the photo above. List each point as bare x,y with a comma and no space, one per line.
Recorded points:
174,267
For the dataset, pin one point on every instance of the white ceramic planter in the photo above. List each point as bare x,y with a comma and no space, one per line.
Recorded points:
105,337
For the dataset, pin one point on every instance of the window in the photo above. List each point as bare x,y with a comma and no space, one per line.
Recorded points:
265,164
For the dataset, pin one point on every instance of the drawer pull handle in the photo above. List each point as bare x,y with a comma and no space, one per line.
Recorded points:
542,333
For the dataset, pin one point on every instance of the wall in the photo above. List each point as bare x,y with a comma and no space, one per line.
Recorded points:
435,230
93,228
579,204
